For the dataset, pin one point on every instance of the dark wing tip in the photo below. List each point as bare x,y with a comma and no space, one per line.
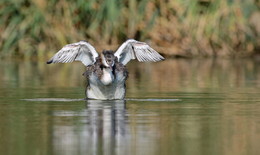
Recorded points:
49,62
163,58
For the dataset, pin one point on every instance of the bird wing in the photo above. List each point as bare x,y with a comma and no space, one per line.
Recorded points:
80,51
132,49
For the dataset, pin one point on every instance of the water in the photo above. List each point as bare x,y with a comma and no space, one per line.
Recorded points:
173,107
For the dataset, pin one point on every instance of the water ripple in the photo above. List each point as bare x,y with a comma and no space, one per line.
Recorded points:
71,100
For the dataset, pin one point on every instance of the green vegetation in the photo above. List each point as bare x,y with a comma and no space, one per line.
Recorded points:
37,28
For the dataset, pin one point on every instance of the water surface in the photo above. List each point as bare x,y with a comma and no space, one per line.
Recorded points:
173,107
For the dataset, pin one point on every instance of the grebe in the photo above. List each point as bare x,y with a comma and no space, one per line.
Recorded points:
106,73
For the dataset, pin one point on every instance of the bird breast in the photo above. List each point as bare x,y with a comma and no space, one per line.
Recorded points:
107,77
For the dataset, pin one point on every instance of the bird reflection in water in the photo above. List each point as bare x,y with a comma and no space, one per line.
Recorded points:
107,120
104,129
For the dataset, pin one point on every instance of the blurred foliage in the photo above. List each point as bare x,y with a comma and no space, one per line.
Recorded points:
38,28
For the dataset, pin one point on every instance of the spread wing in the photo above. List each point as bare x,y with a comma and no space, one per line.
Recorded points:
132,49
80,51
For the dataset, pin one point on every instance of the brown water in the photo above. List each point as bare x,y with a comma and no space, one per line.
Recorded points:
198,107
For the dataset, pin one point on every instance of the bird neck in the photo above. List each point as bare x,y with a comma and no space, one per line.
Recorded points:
107,76
103,60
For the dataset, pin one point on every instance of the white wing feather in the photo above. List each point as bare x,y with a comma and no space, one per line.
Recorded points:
80,51
132,49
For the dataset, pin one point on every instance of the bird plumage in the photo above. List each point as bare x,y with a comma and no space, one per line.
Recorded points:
106,73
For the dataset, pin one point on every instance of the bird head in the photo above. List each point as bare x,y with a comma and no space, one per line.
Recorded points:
108,58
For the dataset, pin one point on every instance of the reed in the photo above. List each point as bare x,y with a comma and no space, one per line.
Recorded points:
37,28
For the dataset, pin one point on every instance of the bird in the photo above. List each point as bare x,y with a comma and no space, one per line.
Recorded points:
106,72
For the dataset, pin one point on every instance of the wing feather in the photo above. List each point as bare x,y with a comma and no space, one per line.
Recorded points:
132,49
80,51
